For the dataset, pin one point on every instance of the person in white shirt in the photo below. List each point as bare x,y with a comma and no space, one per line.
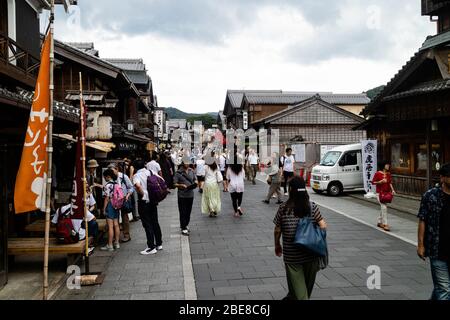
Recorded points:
153,165
223,169
147,211
78,224
235,176
200,171
287,163
253,161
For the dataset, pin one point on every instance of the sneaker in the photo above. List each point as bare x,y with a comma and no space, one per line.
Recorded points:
91,250
240,211
280,202
185,232
107,248
148,251
116,245
266,201
159,248
286,194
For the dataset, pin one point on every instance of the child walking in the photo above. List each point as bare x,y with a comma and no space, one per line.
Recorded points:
112,214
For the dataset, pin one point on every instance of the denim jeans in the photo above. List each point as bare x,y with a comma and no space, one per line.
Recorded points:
440,272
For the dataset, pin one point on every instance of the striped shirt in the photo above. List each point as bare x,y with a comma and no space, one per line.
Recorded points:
285,218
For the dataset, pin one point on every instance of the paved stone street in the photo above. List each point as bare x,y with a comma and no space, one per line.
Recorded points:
233,258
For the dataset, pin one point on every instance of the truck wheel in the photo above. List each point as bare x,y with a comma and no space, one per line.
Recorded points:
318,191
334,189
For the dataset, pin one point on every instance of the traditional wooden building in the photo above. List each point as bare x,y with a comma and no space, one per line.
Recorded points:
243,108
19,66
411,116
114,102
314,123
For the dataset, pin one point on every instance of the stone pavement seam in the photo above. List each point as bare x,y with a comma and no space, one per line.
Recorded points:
188,271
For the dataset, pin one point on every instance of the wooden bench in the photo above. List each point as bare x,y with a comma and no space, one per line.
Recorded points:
31,246
38,226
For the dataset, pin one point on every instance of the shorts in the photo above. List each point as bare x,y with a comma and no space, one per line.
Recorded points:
200,178
111,213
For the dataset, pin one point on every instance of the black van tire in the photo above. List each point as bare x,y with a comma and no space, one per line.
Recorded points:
334,189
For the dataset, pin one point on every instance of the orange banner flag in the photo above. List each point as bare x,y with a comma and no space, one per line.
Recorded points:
31,180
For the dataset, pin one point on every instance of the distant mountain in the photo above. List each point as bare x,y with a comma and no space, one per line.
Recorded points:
175,113
372,93
208,119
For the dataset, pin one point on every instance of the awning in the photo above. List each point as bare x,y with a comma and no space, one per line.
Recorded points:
136,137
98,145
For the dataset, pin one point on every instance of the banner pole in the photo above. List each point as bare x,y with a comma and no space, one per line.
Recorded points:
49,155
83,166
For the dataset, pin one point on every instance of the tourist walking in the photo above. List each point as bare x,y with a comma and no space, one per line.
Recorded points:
166,170
128,189
147,211
153,164
211,202
130,171
434,233
200,171
301,265
185,181
287,162
223,169
385,191
253,161
235,177
111,213
274,181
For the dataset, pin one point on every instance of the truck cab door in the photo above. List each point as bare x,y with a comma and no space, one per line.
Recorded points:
350,170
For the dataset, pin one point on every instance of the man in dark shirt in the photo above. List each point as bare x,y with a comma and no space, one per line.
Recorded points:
444,230
434,234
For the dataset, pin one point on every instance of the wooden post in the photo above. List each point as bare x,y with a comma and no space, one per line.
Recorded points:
50,154
83,166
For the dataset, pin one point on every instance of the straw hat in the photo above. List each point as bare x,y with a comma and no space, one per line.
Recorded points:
92,164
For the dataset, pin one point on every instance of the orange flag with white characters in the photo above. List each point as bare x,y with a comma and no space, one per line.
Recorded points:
31,180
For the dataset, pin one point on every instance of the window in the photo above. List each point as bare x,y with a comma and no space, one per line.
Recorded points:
422,157
351,158
400,156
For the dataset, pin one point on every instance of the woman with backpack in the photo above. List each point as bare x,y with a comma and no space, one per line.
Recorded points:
211,202
185,180
112,192
301,265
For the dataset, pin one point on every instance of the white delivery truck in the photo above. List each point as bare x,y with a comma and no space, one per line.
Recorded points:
340,169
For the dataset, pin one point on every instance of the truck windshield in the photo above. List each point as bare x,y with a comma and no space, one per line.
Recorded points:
330,158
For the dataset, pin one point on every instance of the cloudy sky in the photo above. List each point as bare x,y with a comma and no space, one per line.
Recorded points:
195,50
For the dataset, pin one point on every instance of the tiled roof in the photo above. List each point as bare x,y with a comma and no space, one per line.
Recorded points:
423,88
236,96
128,64
61,110
86,47
293,98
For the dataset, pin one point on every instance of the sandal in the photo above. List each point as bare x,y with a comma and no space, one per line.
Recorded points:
386,228
380,225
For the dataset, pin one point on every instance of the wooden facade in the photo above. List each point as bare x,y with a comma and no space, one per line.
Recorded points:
314,123
411,116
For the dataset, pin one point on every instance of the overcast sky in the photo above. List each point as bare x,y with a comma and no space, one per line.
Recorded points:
195,50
